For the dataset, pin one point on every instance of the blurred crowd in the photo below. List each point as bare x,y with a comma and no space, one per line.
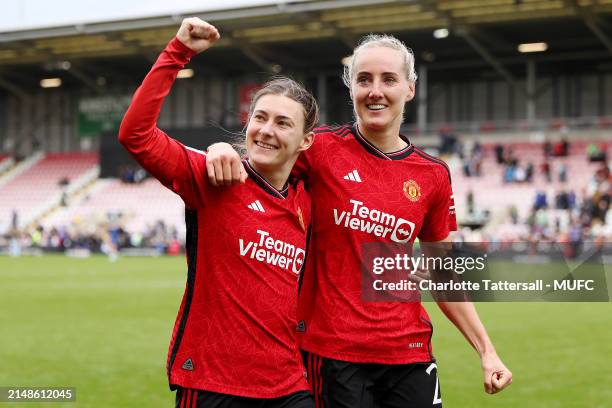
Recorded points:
566,213
109,238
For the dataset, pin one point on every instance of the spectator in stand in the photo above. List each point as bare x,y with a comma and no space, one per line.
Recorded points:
545,167
597,152
499,153
562,201
470,202
510,158
548,148
509,173
571,200
562,173
520,175
561,148
541,200
514,215
529,172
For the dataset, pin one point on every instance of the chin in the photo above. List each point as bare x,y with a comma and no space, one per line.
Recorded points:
376,124
263,161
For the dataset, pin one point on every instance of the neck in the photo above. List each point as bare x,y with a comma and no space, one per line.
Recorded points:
277,177
386,140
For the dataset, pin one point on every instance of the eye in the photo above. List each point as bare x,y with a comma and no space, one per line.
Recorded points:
258,117
363,80
284,123
390,80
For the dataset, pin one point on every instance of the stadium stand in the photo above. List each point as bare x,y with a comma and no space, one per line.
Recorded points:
491,195
41,183
137,207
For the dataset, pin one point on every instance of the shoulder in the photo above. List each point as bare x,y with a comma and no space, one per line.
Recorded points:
333,131
327,136
437,165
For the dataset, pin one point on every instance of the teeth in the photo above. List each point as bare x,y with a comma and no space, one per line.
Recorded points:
265,145
376,107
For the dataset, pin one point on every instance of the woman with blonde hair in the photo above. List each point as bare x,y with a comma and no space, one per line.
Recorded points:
370,184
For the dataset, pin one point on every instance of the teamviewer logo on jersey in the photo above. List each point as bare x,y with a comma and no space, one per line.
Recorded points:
353,176
256,206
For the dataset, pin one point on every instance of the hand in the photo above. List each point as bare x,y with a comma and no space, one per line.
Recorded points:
197,34
224,166
496,374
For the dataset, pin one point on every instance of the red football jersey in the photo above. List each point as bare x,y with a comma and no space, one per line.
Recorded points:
235,330
362,195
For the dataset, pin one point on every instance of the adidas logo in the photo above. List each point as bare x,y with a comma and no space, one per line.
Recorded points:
353,176
187,365
256,206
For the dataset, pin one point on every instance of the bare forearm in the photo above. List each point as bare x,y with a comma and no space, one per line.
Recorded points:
465,318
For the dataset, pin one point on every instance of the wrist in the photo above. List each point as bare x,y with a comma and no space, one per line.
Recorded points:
179,46
486,350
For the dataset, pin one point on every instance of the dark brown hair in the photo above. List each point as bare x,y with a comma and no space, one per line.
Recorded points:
291,89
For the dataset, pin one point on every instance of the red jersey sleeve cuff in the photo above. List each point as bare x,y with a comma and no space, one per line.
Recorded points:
180,51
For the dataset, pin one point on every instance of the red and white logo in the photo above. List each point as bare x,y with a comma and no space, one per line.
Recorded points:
373,221
273,251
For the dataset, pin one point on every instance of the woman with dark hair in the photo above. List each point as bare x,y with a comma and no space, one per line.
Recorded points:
234,342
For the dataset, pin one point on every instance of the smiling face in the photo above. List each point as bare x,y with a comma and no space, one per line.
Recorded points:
379,88
275,132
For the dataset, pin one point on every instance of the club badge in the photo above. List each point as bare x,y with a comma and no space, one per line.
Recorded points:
412,190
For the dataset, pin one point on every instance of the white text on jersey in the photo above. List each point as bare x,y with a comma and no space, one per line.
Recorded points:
375,222
274,252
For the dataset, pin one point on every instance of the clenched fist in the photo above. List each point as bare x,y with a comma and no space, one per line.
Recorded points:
197,34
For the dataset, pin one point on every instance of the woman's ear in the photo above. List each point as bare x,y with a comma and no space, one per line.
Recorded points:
411,91
307,141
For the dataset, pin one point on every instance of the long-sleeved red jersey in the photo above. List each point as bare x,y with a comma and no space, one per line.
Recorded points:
362,197
235,330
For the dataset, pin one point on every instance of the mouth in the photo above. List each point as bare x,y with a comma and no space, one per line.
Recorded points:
376,106
265,146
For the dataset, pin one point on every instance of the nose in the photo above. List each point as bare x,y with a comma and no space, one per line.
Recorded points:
267,128
375,91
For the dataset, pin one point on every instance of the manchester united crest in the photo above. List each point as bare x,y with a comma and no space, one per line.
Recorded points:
412,190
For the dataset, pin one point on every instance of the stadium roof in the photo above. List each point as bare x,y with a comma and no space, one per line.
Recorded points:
483,37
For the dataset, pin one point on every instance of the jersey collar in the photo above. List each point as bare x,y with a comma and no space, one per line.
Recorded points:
370,148
263,183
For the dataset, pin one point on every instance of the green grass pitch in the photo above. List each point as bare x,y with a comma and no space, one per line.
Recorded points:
104,328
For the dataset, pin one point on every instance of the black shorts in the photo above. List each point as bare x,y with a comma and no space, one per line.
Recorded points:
191,398
340,384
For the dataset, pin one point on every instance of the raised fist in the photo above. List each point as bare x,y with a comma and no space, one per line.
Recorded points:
197,34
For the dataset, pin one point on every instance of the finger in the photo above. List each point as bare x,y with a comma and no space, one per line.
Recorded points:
243,174
487,385
204,30
501,380
210,170
218,173
227,173
236,176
